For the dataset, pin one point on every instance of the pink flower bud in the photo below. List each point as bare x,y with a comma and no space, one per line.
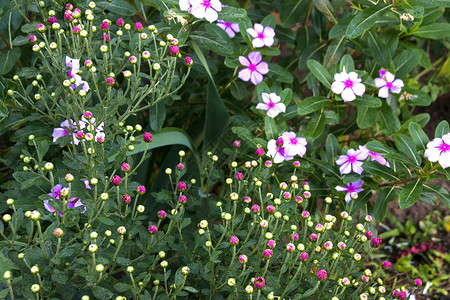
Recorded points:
80,135
125,167
148,137
290,247
188,61
304,256
126,199
259,152
105,37
152,229
341,246
271,244
376,242
68,16
369,234
402,295
180,167
268,253
280,142
247,199
307,195
87,115
237,143
69,6
305,214
76,30
88,64
322,275
313,237
133,59
181,186
259,282
162,214
268,164
239,176
234,240
52,20
418,282
141,190
110,81
299,199
69,177
33,38
120,22
41,27
243,258
287,195
116,180
271,209
295,236
174,50
104,26
138,27
58,233
182,199
256,209
386,265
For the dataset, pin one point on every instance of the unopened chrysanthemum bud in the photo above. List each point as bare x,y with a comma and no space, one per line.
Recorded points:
231,282
10,202
7,218
34,269
35,288
130,269
185,270
35,215
93,235
121,230
99,268
93,248
104,48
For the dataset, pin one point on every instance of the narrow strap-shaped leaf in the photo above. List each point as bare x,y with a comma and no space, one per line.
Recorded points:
419,137
311,104
410,193
406,145
320,72
386,195
365,19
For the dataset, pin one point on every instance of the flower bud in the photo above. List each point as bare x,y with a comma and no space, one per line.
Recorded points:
121,230
35,288
188,61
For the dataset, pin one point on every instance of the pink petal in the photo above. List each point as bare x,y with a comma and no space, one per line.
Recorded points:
262,106
244,74
444,159
268,41
216,5
389,77
244,61
258,28
342,159
346,168
211,15
383,92
256,78
257,43
269,32
275,98
235,27
353,76
255,57
348,95
357,167
230,32
252,32
380,82
359,89
198,11
397,86
341,188
262,68
343,76
337,87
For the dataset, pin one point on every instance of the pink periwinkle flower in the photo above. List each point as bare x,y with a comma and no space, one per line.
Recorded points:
263,36
126,199
351,188
141,190
116,180
182,199
348,86
271,209
152,229
104,26
56,195
304,256
230,28
271,244
376,156
294,145
276,151
256,68
438,150
322,275
174,50
74,65
259,282
52,20
162,214
181,186
147,137
188,61
66,127
268,253
352,161
418,282
271,104
256,209
207,9
234,240
388,82
376,242
138,27
110,81
243,259
120,22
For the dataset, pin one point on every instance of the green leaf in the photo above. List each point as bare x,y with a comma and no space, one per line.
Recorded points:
381,171
271,128
213,42
347,63
320,72
406,146
3,110
315,126
417,97
9,59
441,129
332,147
233,14
102,293
286,96
324,6
292,12
269,20
312,104
219,32
41,149
365,19
440,191
379,50
191,289
119,7
334,52
324,166
157,115
367,101
434,31
421,119
386,195
366,116
122,287
363,198
387,120
405,61
244,134
419,137
280,74
410,193
339,29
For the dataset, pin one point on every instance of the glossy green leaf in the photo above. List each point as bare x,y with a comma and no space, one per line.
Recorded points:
119,7
3,110
440,191
417,97
381,171
324,6
324,166
366,116
312,104
421,119
217,117
292,12
280,74
406,145
244,134
410,193
387,120
286,96
271,128
406,61
363,198
339,29
315,126
432,14
365,19
334,51
418,136
441,129
101,292
332,148
347,63
157,115
320,72
219,32
211,41
366,100
9,59
386,195
269,20
378,49
233,14
434,31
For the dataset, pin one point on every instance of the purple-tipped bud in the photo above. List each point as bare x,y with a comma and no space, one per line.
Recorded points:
68,16
116,180
280,142
152,229
295,236
237,143
296,164
120,22
239,176
87,115
271,209
376,242
234,240
69,6
148,137
33,38
52,20
305,214
304,256
104,26
180,167
259,152
386,265
322,275
188,61
41,27
110,81
299,199
268,164
105,37
162,214
182,199
141,190
76,30
80,135
313,237
133,59
418,282
247,199
126,199
138,27
271,244
181,186
268,253
402,295
58,233
259,282
256,209
174,50
243,259
290,247
69,177
125,167
369,234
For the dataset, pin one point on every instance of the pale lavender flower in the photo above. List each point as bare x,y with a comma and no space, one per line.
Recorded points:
271,104
376,157
277,152
255,68
388,82
56,194
348,86
352,161
65,129
74,65
206,9
230,28
263,36
350,188
294,145
438,150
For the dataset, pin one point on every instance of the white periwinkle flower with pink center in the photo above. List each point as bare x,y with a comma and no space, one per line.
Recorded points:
388,82
256,68
354,187
271,104
438,150
348,86
207,9
263,36
352,161
185,5
376,157
276,151
294,145
230,28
